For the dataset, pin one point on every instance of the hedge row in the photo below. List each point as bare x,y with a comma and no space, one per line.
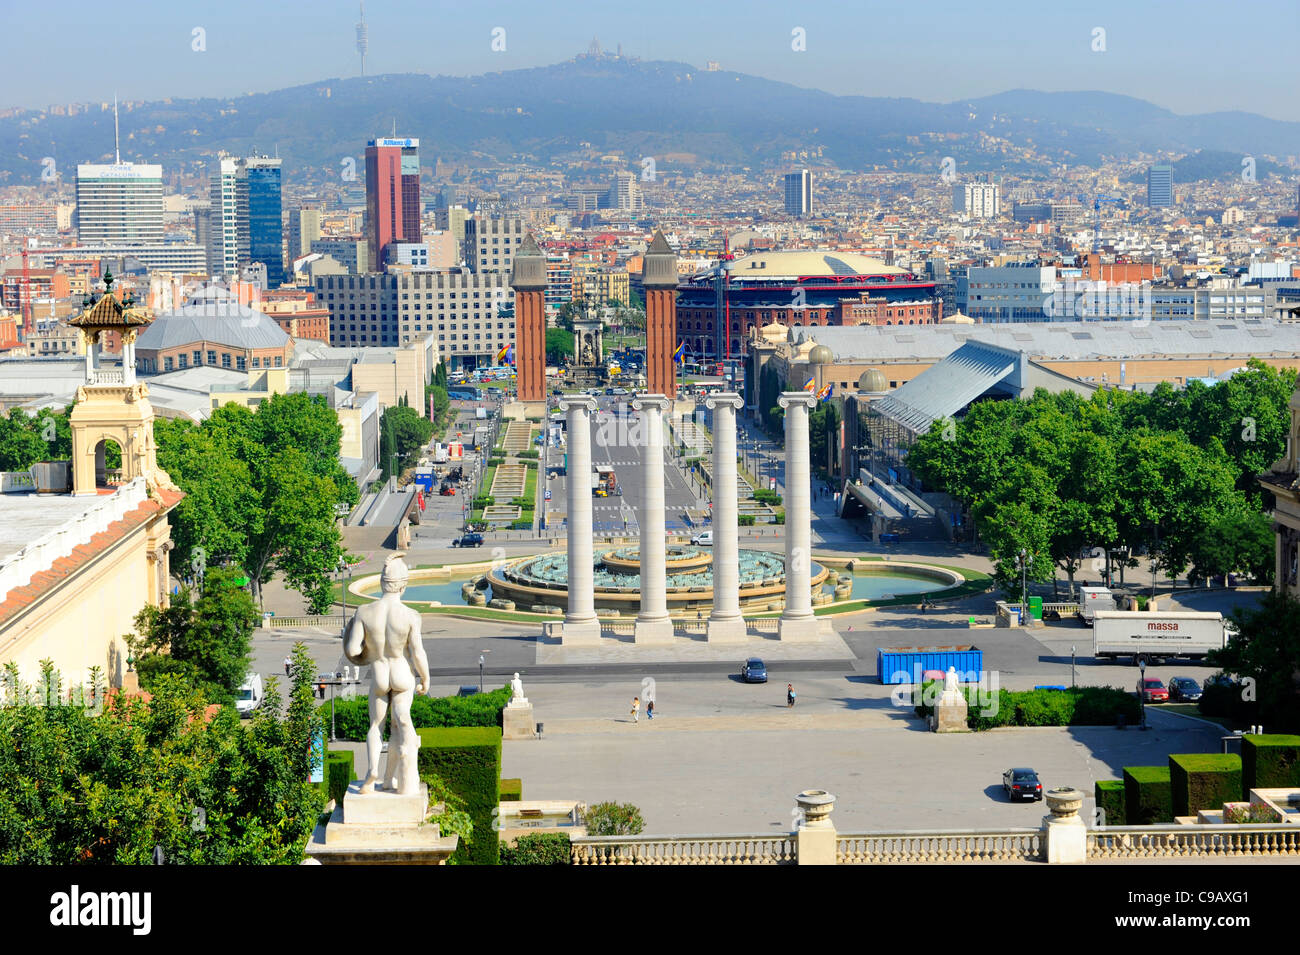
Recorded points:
538,848
468,761
1270,761
352,716
512,790
339,772
1203,781
1084,706
1148,797
1109,794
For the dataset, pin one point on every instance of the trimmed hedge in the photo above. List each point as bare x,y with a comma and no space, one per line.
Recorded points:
468,761
538,848
339,772
1084,706
1203,781
1270,761
1109,794
352,716
511,790
1147,795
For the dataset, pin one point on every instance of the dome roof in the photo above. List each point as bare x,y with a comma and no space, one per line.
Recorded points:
820,355
873,381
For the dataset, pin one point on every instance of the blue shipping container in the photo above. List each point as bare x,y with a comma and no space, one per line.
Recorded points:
909,664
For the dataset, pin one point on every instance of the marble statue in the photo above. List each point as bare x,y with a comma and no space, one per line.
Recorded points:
385,635
950,681
517,691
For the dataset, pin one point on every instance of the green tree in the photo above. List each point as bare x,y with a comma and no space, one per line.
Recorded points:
160,776
207,641
1267,650
559,346
614,819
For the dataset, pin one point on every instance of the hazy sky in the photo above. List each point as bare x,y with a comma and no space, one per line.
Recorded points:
1191,56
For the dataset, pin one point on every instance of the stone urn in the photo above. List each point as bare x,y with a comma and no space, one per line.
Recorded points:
1065,801
816,806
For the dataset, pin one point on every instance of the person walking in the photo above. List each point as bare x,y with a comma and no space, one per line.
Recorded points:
287,663
636,709
789,694
650,709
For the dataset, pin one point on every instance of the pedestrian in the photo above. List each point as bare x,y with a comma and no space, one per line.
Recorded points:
789,694
287,662
650,709
636,709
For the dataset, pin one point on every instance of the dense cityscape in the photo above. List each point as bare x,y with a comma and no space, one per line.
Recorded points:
270,364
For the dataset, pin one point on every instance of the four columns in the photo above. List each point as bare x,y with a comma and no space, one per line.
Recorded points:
797,620
580,622
653,625
725,622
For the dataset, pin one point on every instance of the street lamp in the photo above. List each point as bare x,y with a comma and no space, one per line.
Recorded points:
1072,666
1142,696
480,673
1024,595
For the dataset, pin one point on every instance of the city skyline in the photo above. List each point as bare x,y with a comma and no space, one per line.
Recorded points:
1147,52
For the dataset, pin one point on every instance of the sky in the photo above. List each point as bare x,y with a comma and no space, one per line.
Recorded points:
1190,56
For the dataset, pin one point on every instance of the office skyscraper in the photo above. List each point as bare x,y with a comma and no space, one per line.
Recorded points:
625,192
1160,186
798,193
119,204
265,225
392,195
228,211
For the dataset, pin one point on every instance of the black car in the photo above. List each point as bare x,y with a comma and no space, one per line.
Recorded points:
1185,689
1022,784
753,670
468,540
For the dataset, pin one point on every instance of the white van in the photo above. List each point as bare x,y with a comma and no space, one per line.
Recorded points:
250,695
704,539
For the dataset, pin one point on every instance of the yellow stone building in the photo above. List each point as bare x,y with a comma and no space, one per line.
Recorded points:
84,547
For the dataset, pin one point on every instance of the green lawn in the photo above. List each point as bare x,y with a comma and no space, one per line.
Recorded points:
1192,709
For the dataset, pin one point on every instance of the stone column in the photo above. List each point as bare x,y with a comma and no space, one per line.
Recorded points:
653,625
797,621
726,625
580,623
659,278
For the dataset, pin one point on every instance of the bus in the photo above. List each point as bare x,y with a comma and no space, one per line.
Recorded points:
603,481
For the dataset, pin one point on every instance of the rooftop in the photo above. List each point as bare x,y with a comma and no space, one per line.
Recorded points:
222,323
800,263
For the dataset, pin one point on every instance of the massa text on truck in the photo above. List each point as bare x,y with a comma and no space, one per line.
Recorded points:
1142,635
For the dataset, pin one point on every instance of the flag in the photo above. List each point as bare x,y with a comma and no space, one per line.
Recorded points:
680,354
826,392
506,354
810,384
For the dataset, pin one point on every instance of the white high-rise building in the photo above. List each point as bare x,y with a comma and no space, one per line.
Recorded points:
798,193
228,244
625,192
119,204
980,200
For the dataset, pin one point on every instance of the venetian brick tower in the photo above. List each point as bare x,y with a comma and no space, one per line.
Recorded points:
659,276
528,279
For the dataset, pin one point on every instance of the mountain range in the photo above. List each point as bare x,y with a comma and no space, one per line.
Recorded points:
638,108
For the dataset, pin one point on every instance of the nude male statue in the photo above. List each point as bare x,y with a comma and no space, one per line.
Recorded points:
386,636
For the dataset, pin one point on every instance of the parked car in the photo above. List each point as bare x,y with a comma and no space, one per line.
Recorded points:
753,670
1184,688
1022,783
704,539
468,540
1154,691
250,695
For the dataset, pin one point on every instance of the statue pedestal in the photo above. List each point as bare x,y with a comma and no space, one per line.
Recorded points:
517,721
380,828
653,631
950,714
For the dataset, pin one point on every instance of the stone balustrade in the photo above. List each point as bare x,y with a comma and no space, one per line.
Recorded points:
40,554
971,845
763,849
297,623
1199,841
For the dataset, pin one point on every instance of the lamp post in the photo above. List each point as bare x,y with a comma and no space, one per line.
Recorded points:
1142,696
1023,560
480,673
1072,666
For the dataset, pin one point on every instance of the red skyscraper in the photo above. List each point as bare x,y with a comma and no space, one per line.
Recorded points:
392,195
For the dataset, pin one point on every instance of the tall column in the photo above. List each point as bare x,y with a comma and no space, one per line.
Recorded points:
659,278
797,621
653,625
528,279
725,622
580,623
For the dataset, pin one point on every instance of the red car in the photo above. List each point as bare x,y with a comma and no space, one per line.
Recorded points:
1153,691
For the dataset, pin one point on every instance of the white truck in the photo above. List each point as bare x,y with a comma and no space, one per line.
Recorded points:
1092,599
1142,635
